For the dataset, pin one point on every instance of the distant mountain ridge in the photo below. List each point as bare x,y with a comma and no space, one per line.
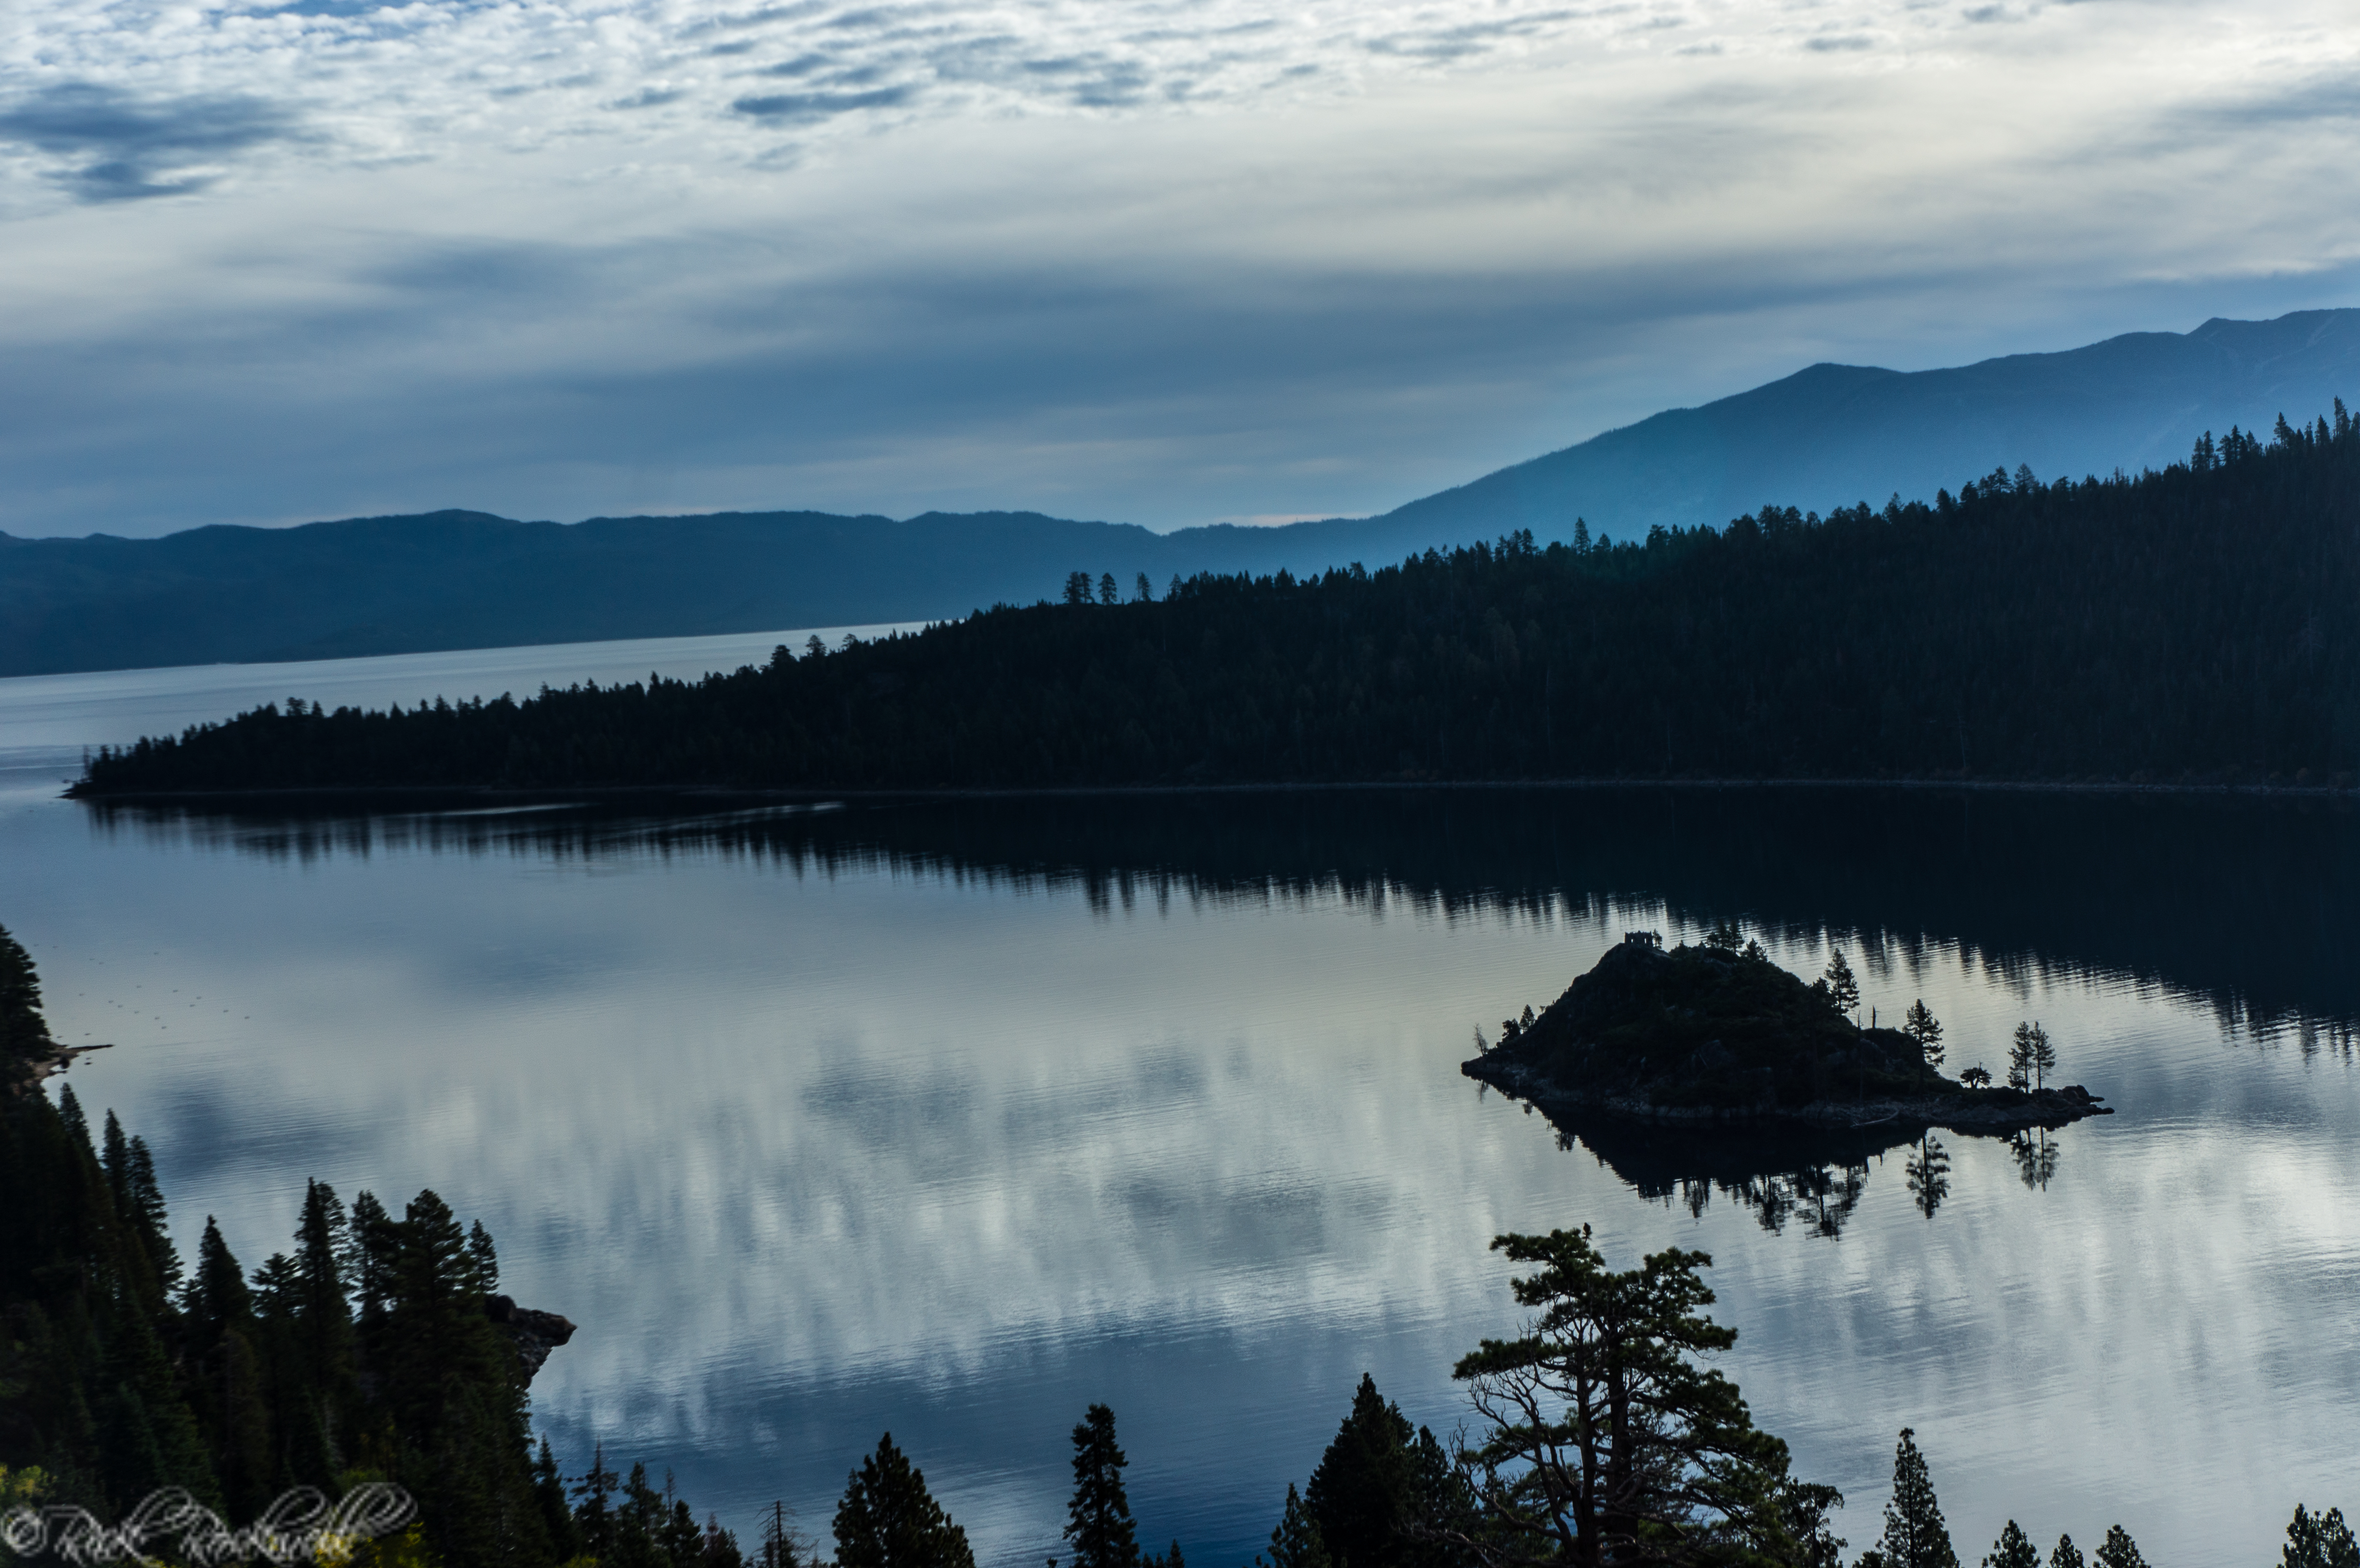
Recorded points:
1826,436
1836,434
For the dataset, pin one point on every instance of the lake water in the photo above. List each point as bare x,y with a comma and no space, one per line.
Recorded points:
951,1119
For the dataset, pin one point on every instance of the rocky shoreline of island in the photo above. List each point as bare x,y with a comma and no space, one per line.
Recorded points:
1992,1112
1716,1034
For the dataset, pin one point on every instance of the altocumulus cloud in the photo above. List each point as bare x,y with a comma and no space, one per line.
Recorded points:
107,144
1164,260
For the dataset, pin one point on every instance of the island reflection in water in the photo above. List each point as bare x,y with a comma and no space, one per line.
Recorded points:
1205,1147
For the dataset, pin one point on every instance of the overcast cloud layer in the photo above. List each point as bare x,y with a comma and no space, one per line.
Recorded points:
1157,262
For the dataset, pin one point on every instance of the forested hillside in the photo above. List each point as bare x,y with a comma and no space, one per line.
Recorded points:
453,580
1830,434
2191,624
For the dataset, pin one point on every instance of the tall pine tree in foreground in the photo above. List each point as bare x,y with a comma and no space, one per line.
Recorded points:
889,1520
1914,1535
1385,1493
1097,1521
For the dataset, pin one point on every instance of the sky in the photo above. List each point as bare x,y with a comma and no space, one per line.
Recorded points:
1157,261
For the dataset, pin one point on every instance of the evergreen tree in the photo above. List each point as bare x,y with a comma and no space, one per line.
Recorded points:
1914,1535
556,1519
888,1518
593,1509
2066,1556
2044,1057
24,1030
719,1547
1360,1495
1107,593
2019,1058
2319,1540
1928,1173
1097,1521
2012,1549
1606,1433
227,1382
1384,1495
1844,989
2118,1551
1295,1540
1921,1026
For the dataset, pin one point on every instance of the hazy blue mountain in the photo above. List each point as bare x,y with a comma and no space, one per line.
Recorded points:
1826,436
1836,434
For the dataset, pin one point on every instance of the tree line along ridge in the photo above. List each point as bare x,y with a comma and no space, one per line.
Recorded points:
2187,625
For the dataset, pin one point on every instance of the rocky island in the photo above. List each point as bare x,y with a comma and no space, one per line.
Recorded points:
1710,1034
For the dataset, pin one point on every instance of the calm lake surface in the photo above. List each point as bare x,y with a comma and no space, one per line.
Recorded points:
951,1119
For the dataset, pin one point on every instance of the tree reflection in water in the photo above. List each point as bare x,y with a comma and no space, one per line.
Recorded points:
1929,1173
2036,1157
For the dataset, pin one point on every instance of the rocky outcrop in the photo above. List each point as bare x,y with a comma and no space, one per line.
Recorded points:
534,1334
1698,1035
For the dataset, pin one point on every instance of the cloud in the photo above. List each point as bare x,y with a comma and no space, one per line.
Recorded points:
119,148
1130,260
819,105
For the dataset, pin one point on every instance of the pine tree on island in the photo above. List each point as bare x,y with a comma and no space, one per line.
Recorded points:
2067,1554
1920,1025
1844,989
2031,1059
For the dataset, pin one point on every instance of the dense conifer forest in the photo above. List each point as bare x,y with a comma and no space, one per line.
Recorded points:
2188,624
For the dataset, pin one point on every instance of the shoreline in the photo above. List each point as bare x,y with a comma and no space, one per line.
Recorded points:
1959,1113
588,793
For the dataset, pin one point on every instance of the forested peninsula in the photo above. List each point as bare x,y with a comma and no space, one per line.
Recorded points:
2188,626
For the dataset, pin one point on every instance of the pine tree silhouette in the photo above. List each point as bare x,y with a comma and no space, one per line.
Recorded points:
1914,1535
1098,1521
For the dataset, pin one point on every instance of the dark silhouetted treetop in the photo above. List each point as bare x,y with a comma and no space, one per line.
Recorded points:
888,1518
2319,1540
123,1378
1097,1521
1386,1495
25,1042
1914,1535
2181,625
1295,1540
2118,1551
2014,1549
1920,1025
1607,1441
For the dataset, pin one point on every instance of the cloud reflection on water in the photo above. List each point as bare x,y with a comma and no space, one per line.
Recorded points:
954,1123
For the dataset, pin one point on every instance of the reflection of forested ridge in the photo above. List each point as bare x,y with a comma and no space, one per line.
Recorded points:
2187,624
2254,904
